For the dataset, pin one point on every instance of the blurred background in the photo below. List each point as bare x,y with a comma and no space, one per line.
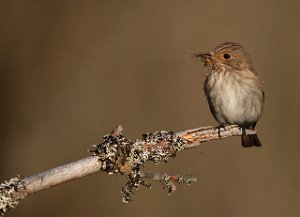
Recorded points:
71,70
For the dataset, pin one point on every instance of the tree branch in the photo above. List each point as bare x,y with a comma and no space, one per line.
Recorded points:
117,154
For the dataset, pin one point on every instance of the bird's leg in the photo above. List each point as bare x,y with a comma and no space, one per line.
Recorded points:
219,129
243,129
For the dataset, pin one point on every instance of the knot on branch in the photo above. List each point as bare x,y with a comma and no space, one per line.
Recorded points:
121,155
10,194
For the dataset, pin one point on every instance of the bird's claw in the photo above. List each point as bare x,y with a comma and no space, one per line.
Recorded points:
219,129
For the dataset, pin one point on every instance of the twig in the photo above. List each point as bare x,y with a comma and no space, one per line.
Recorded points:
117,154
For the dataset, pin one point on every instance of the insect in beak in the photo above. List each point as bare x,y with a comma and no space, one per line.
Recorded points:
206,58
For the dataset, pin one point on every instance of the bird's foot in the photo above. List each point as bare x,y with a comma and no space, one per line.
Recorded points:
243,129
219,129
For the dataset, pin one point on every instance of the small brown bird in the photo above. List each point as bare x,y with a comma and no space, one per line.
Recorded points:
233,89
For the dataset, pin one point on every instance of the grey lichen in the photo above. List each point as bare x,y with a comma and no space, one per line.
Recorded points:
121,155
112,152
10,194
169,181
172,144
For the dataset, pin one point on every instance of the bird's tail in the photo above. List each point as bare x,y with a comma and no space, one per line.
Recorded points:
250,141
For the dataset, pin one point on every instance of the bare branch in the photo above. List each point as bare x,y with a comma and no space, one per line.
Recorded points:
61,174
117,154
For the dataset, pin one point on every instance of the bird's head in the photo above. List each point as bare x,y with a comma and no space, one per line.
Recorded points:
229,55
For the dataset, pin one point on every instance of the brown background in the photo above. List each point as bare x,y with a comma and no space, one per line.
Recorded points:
71,70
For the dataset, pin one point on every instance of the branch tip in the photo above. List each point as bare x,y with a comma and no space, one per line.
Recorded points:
11,192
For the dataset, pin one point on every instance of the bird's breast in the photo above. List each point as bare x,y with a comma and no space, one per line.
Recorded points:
236,97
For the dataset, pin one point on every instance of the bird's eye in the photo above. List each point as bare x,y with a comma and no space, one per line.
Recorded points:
226,56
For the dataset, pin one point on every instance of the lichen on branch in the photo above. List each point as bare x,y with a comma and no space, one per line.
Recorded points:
121,155
8,194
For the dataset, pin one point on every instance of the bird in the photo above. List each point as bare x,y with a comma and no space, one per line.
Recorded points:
233,89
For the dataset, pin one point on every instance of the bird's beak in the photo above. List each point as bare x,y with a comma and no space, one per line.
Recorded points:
206,58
